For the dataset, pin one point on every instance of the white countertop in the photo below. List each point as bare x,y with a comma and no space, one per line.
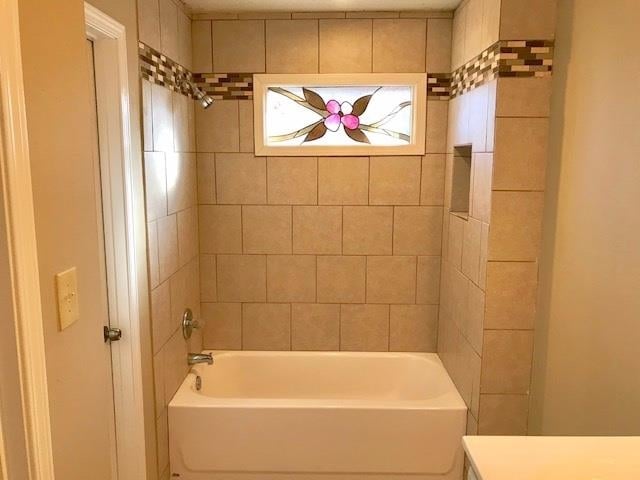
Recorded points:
554,458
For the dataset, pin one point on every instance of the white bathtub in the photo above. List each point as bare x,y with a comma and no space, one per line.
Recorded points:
331,416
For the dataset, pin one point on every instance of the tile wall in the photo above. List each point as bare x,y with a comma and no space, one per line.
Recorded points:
329,253
172,212
489,268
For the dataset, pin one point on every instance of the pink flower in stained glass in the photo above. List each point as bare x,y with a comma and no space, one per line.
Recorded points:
340,113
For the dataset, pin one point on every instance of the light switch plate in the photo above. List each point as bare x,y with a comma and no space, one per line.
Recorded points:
67,289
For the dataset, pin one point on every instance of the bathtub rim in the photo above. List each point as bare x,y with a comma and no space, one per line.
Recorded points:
187,397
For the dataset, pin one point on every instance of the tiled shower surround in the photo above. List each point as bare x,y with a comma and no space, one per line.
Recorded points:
353,253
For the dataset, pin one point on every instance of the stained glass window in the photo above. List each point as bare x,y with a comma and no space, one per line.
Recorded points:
319,117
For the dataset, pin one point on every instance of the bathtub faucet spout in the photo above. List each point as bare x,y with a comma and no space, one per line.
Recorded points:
195,358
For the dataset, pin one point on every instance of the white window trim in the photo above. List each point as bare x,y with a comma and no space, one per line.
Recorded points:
418,81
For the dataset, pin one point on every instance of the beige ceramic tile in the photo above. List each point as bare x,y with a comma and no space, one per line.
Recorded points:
184,135
206,177
291,278
364,328
317,230
458,37
471,249
456,238
217,127
266,326
220,228
185,56
436,136
292,180
152,244
473,30
428,286
506,361
527,19
477,107
476,316
439,45
158,381
482,166
160,316
460,300
292,46
162,114
484,247
241,178
413,328
343,180
175,352
503,414
492,87
167,246
426,14
155,185
185,292
399,45
147,116
238,46
432,183
511,294
341,279
417,230
315,327
391,279
182,187
223,326
516,220
169,29
490,22
345,46
202,45
472,425
208,279
245,113
149,23
187,235
266,229
372,14
395,181
242,278
523,97
521,150
367,230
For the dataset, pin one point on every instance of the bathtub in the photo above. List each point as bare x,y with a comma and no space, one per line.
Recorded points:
331,416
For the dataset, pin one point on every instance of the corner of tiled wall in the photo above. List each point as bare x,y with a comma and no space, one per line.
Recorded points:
486,320
169,144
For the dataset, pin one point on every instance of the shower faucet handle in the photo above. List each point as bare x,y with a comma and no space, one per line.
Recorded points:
189,324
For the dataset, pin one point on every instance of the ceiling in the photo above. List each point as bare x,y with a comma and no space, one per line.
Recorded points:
200,6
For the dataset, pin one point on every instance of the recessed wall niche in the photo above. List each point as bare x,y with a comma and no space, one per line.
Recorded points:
461,180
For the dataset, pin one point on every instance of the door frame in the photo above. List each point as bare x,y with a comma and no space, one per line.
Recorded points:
122,237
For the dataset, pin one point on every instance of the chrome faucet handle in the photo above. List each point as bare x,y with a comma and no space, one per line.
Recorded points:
189,324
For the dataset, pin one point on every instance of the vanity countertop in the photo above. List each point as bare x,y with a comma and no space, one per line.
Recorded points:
554,458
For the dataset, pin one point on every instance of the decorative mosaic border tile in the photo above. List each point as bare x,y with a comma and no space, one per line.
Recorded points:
506,58
438,86
161,70
226,86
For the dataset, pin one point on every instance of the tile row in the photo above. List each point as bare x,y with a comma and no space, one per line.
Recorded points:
317,326
331,45
227,127
241,178
323,279
326,230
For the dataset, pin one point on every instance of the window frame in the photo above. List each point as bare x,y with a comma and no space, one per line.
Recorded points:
416,81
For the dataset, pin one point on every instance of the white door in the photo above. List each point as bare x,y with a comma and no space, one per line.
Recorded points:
103,438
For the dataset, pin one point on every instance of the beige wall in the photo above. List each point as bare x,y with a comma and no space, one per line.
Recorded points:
586,354
171,196
329,253
56,77
489,269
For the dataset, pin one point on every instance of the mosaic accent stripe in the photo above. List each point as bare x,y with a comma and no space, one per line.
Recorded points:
161,70
226,86
438,86
506,58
